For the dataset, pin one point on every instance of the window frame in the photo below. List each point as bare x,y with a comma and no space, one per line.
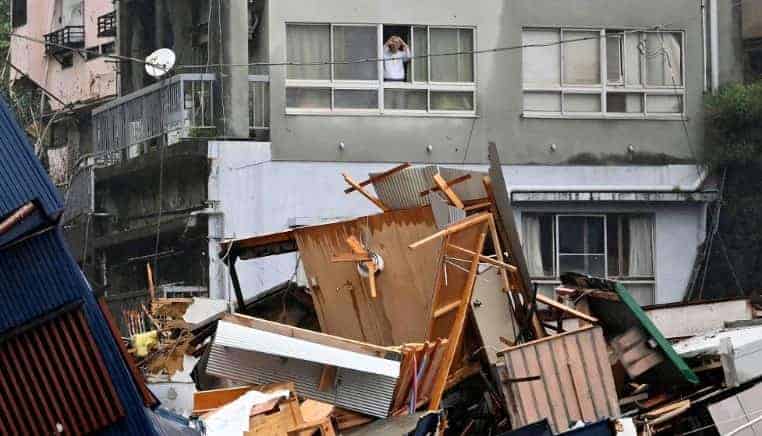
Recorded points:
381,85
19,14
608,215
604,88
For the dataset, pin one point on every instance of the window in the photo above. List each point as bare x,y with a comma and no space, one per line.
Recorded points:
615,246
432,85
19,13
602,73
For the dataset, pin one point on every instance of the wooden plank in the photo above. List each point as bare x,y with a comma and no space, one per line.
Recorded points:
205,401
566,309
365,194
579,380
351,257
454,228
435,366
561,362
379,177
327,378
447,308
525,400
458,325
484,258
547,338
552,381
448,192
609,387
594,373
451,182
539,387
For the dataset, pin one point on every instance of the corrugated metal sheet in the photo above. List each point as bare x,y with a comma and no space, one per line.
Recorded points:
354,390
402,190
23,178
51,370
38,276
564,378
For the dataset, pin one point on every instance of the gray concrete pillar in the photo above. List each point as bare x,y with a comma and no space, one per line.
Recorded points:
234,84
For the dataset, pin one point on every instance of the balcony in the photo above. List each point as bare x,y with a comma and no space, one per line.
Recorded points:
60,41
182,107
107,24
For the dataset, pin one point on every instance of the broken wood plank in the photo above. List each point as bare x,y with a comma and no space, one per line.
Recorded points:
451,182
448,192
205,401
454,228
327,378
447,308
362,191
485,259
379,177
564,308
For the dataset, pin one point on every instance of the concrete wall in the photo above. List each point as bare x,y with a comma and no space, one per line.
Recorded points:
731,50
257,195
86,79
499,96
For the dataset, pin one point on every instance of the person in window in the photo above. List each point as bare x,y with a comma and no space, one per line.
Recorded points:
396,54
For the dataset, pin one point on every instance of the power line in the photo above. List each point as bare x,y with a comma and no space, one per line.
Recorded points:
334,62
423,56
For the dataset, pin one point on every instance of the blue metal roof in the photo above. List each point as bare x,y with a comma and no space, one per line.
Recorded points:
38,276
22,177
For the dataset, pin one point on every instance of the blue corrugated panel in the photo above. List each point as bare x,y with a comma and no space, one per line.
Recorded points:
39,275
22,178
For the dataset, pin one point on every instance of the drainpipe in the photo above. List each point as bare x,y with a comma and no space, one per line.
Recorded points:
714,45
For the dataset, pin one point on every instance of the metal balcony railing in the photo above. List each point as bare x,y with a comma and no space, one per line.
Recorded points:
107,24
61,40
183,106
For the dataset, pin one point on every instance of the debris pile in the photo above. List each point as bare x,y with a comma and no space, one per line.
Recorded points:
422,319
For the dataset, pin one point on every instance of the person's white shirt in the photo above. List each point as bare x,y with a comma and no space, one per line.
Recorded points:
394,63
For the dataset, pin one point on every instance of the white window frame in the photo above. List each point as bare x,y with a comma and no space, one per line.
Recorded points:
380,84
555,278
604,87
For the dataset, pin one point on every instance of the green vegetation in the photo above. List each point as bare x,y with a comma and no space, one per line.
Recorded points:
734,126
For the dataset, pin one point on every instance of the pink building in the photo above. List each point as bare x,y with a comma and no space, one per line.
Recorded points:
73,77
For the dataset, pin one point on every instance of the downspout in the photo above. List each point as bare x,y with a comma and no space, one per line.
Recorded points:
714,45
702,6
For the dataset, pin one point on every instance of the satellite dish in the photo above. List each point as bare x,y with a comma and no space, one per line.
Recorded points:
160,62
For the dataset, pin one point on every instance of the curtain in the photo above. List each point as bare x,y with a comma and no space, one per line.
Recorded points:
641,247
533,246
308,43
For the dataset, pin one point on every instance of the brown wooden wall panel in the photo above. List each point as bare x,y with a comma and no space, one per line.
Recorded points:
399,313
54,379
565,378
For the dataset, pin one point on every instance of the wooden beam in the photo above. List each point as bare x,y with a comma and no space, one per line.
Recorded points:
379,177
327,378
484,258
24,211
356,246
564,308
448,192
453,228
351,257
451,182
371,277
362,191
447,308
458,326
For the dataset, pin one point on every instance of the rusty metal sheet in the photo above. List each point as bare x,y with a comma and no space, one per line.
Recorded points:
405,286
566,378
54,379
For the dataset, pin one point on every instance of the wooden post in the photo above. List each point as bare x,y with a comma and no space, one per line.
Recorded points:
448,192
362,191
457,329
